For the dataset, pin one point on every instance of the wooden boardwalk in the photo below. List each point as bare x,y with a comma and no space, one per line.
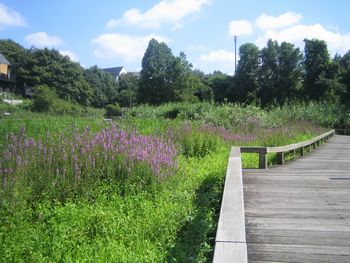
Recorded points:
300,211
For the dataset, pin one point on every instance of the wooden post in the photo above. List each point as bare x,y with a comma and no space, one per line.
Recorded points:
302,152
280,158
262,160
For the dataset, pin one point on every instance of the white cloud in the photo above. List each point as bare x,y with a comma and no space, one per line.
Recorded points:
218,56
129,48
165,12
221,59
70,54
240,28
266,22
196,48
42,39
10,17
337,43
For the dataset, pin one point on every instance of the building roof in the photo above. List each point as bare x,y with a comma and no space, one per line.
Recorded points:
114,71
3,60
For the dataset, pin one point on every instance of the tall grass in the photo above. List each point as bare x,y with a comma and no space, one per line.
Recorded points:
330,115
145,190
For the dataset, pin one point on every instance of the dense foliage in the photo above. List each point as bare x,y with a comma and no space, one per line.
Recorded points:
104,86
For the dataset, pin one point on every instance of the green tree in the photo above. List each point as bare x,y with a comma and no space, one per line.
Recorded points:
184,83
128,89
316,63
220,83
290,73
37,67
245,82
104,87
49,67
157,74
43,99
344,77
203,91
280,73
268,73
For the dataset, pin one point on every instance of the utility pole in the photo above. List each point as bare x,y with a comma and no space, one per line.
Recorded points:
235,38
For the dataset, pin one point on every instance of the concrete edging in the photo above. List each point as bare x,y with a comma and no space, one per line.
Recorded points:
230,242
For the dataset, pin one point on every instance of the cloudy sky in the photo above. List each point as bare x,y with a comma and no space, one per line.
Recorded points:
111,33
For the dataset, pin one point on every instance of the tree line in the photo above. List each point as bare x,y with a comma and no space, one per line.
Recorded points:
275,74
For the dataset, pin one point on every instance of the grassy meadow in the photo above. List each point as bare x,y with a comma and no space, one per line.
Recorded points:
145,188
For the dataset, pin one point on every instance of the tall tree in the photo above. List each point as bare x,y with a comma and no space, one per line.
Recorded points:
315,64
290,73
128,87
268,73
246,86
157,74
344,77
203,91
104,86
49,67
37,67
220,84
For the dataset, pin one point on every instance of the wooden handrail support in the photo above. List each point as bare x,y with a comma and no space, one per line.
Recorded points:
230,242
280,150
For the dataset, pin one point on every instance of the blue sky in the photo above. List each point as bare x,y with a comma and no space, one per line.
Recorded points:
113,33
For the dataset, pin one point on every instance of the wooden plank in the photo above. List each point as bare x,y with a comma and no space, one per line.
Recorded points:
300,233
296,257
314,224
300,212
305,249
287,240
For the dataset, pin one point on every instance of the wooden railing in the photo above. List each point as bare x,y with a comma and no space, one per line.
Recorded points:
281,150
230,241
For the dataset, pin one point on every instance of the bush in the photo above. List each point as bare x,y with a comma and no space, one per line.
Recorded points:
26,105
46,100
44,97
113,110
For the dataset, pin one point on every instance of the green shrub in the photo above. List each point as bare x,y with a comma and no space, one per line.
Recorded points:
46,100
26,105
43,99
113,110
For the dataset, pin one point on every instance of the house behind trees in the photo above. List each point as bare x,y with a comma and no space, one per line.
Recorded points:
7,80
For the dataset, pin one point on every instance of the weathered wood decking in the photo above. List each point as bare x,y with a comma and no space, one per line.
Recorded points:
300,212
